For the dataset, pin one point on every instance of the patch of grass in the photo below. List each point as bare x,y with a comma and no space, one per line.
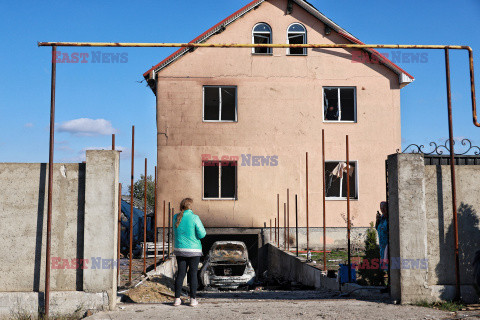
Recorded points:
338,255
451,306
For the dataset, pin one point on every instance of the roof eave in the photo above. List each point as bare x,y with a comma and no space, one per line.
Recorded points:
404,77
204,36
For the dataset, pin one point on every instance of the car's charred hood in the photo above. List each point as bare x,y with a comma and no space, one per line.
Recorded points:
228,252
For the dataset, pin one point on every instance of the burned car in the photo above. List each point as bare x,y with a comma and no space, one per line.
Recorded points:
227,266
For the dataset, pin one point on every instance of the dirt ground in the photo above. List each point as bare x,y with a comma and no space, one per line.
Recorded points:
277,305
137,270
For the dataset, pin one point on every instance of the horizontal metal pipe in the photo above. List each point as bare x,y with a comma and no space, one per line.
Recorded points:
281,45
248,45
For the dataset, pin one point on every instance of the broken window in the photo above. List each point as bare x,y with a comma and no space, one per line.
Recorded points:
262,34
336,180
219,103
220,179
339,104
297,35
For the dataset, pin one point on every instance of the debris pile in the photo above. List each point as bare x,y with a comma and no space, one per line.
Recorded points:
152,290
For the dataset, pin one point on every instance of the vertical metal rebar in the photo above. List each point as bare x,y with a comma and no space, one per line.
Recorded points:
168,230
145,220
275,230
288,220
452,175
324,211
284,226
306,183
119,238
278,220
155,222
348,213
163,237
270,239
50,180
131,208
296,223
172,235
113,141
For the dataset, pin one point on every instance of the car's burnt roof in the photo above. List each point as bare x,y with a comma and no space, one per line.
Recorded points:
219,243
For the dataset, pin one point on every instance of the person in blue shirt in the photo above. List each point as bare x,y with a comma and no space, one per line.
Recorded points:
382,229
187,232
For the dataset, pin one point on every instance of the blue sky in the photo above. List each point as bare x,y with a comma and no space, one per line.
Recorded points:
112,92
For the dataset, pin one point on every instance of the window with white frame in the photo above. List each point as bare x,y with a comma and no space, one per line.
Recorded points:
297,34
220,103
339,104
262,34
220,180
336,180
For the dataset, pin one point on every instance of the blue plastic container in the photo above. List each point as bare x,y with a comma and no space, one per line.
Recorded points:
343,271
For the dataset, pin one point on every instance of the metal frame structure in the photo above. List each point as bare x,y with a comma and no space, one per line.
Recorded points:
446,49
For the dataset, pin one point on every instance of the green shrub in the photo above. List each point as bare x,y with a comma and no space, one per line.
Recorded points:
371,276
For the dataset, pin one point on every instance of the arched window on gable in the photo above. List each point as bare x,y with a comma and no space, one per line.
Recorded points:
297,34
262,34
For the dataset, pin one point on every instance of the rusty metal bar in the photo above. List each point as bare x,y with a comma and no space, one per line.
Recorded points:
113,141
145,221
472,87
163,237
452,175
245,45
306,182
275,230
288,220
155,222
252,45
131,208
171,230
168,230
284,226
296,223
50,181
324,211
278,219
119,229
270,239
348,214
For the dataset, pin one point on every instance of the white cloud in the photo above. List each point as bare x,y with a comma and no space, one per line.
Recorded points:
87,127
28,125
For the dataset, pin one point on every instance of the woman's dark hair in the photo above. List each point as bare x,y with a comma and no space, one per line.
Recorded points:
185,204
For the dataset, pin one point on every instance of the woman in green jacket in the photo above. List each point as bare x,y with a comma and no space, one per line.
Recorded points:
187,231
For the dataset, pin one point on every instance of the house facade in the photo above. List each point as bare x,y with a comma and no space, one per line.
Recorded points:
234,125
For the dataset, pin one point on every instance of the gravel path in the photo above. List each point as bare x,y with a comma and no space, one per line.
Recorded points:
274,305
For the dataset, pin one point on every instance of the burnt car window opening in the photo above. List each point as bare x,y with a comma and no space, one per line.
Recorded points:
227,266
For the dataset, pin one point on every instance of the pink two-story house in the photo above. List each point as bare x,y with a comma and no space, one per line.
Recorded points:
234,125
